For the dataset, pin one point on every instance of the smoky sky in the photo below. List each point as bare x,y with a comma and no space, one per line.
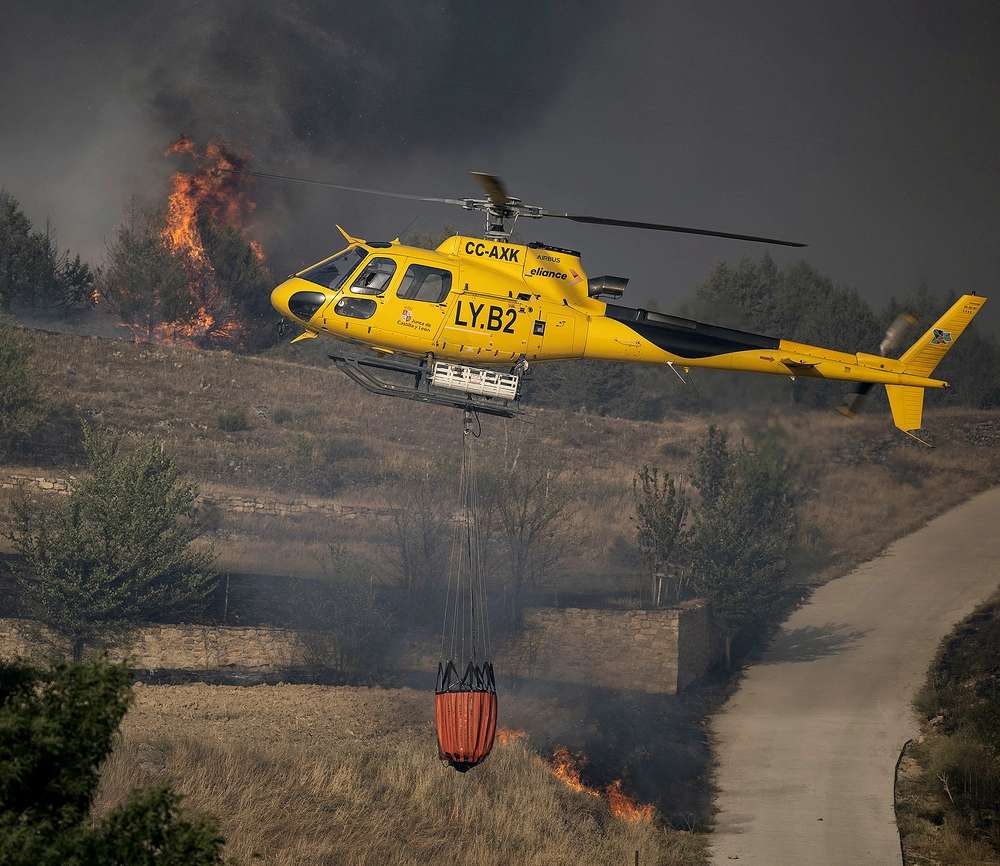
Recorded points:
868,130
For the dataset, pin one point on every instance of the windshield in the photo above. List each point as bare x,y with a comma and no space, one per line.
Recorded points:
332,273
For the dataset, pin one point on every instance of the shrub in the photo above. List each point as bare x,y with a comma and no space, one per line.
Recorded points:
233,420
56,729
968,770
20,407
117,550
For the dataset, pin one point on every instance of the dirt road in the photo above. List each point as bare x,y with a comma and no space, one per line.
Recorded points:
807,745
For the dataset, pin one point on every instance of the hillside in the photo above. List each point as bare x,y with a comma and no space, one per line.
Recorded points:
259,426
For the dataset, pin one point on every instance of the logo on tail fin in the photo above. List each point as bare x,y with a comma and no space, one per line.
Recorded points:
940,338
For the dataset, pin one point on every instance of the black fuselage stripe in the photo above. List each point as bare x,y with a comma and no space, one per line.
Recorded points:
687,338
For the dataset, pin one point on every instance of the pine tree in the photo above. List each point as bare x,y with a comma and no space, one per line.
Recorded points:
742,531
118,550
21,410
56,729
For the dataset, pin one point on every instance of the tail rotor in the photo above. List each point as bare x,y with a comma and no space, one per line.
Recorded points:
893,339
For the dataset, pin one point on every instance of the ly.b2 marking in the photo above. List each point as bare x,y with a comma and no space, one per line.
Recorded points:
492,321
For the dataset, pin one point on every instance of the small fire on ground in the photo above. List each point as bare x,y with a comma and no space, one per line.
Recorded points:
506,736
566,767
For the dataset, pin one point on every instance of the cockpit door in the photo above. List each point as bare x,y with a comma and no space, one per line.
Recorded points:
486,327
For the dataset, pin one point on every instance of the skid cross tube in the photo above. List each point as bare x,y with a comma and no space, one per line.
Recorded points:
359,367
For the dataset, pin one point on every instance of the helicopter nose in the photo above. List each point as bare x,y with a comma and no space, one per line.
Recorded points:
298,300
280,297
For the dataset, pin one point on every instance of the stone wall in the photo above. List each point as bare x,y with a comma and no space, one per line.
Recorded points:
13,480
228,500
699,644
658,651
185,647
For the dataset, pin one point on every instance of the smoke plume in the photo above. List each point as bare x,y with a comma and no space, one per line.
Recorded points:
361,93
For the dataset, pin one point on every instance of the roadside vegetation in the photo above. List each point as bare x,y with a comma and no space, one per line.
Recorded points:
948,800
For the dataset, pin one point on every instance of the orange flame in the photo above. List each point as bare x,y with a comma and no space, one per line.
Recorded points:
202,326
566,767
621,805
214,189
505,736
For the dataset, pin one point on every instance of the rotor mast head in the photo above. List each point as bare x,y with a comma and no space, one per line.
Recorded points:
501,209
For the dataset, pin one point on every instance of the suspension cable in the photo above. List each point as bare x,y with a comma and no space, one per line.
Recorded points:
466,609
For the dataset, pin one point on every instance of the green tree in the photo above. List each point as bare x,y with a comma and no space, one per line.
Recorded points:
795,302
20,407
56,728
742,531
118,550
143,280
660,510
33,272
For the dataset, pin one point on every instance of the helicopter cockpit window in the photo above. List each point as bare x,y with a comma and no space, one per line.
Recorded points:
374,277
355,308
421,283
332,273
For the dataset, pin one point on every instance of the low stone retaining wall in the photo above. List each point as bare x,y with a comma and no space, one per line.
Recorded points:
659,651
184,647
233,502
656,651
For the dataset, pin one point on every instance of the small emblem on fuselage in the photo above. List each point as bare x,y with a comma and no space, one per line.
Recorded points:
940,338
406,315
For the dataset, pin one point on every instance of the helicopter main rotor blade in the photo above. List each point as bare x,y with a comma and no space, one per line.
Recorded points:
493,187
329,184
660,227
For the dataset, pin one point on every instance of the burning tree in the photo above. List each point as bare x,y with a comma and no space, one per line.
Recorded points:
189,273
144,281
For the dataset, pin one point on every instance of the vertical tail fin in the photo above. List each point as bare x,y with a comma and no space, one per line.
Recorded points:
907,404
907,401
925,354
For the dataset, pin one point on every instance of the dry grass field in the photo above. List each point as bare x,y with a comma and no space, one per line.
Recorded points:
315,775
310,431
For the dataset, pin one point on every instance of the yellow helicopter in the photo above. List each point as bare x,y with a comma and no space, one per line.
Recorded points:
440,315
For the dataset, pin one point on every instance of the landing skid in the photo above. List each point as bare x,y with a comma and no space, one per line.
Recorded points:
359,367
